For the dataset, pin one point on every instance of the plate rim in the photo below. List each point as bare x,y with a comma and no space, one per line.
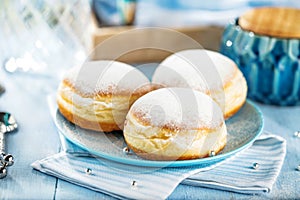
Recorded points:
176,163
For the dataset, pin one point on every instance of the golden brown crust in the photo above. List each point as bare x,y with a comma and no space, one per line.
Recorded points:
234,110
227,83
272,21
151,156
86,124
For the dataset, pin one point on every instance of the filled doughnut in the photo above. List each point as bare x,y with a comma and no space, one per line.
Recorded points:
206,71
175,124
98,95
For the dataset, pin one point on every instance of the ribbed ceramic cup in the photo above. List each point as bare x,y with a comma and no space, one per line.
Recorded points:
270,65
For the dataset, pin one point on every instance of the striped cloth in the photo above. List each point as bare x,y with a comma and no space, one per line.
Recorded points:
235,174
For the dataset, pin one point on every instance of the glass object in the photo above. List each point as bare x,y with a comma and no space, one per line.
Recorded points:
270,64
114,12
44,37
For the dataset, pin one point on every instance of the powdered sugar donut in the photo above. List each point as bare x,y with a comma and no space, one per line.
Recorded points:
175,124
206,71
98,95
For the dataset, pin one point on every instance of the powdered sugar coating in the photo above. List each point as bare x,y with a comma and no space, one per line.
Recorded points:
199,69
178,108
105,77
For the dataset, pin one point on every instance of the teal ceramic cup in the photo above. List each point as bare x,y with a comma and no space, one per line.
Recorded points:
270,65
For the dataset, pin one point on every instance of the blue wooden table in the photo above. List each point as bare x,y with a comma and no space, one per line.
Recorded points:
25,98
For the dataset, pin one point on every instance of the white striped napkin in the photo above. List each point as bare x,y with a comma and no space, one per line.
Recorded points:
235,174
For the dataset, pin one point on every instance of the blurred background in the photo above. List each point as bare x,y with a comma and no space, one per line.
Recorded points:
178,13
45,37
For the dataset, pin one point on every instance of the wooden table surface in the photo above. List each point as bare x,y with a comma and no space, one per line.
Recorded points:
25,98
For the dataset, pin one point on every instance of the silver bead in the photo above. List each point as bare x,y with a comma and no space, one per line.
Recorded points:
298,168
3,172
88,171
133,184
126,150
255,166
297,133
8,159
212,153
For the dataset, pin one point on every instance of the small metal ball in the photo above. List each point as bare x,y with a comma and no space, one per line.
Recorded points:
297,133
134,184
212,153
3,172
9,159
255,166
88,171
126,150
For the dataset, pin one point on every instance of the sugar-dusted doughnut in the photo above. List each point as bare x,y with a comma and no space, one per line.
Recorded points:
206,71
175,124
98,94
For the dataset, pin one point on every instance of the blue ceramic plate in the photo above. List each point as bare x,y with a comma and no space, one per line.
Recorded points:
243,128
